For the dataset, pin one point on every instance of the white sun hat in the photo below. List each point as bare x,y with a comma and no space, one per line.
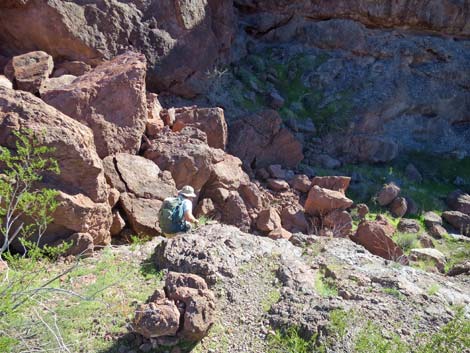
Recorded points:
187,191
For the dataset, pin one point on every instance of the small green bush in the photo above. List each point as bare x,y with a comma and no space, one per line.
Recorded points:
290,341
407,241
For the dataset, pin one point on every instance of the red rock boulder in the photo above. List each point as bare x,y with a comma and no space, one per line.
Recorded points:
29,71
111,100
375,236
209,120
322,201
387,194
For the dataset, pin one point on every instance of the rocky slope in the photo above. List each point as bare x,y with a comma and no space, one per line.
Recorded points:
263,284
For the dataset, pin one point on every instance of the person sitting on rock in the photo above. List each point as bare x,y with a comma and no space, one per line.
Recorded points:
176,213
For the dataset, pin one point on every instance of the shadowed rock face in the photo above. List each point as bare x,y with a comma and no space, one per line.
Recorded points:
180,38
445,16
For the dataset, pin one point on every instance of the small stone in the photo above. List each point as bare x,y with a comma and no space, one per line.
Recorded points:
278,184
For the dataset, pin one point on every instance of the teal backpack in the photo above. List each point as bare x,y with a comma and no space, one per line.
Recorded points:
170,216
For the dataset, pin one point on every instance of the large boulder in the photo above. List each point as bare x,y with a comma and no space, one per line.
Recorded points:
209,120
459,201
29,71
294,220
111,100
459,220
79,214
74,149
339,222
375,236
143,187
182,39
213,172
259,140
398,207
322,201
429,254
387,194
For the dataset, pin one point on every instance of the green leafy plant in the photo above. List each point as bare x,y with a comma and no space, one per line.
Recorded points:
25,209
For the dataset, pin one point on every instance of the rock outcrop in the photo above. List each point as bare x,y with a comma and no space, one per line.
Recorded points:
111,100
83,202
182,40
259,140
142,187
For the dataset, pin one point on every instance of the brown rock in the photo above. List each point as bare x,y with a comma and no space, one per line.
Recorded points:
168,116
375,236
280,233
5,82
139,176
111,100
186,155
156,319
322,201
387,194
75,68
259,141
209,120
154,122
113,197
459,220
29,71
437,231
268,220
81,169
339,222
336,183
142,214
234,212
82,244
79,214
277,172
458,269
362,210
205,207
294,220
252,195
428,254
278,184
432,218
408,226
55,83
459,201
301,183
175,280
425,240
118,224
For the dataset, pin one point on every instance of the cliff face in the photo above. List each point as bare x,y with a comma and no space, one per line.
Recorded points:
376,78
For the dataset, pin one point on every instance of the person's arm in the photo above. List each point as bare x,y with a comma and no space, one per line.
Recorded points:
188,212
188,216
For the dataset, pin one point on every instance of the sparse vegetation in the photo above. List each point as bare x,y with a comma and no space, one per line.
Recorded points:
325,286
289,340
272,298
393,292
407,241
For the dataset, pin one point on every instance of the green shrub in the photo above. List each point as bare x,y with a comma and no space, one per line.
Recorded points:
23,168
407,241
324,286
370,339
